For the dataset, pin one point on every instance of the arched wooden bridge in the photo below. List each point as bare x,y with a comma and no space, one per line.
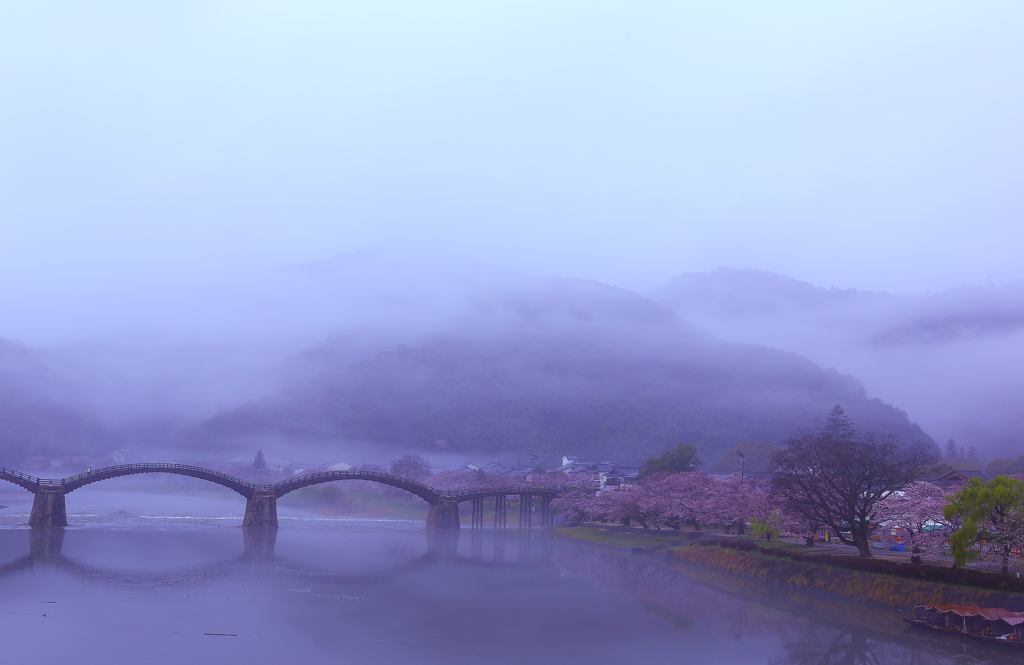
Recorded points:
48,507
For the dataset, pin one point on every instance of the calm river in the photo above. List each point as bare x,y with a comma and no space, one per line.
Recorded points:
150,579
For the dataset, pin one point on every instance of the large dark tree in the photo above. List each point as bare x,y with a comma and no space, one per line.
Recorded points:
681,458
835,478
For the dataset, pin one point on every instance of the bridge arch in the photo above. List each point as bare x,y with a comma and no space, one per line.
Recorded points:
243,487
425,492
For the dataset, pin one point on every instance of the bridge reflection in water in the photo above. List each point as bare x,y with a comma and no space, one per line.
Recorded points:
46,546
49,510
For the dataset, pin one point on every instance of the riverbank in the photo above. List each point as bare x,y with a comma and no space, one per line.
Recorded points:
772,570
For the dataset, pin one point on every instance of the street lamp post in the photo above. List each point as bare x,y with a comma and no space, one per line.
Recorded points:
739,453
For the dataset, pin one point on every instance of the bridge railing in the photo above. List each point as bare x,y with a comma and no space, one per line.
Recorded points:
511,489
283,484
155,466
341,475
24,476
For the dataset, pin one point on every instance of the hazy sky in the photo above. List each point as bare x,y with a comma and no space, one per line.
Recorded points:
874,145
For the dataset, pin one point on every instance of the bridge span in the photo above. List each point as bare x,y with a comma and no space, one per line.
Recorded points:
49,509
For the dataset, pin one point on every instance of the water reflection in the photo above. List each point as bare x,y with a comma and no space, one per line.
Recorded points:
44,543
810,628
405,595
259,544
821,646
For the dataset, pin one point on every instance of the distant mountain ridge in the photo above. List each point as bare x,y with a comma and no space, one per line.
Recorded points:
948,316
487,361
947,357
744,292
576,366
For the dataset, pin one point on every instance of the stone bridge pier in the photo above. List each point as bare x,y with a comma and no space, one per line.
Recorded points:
444,514
261,510
48,507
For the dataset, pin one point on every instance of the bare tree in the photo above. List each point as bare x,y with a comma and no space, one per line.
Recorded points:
411,466
837,481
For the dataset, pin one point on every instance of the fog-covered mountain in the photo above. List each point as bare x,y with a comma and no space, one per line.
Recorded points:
379,351
951,359
37,415
554,367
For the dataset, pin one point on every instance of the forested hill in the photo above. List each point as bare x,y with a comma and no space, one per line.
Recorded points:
494,364
32,421
556,394
941,356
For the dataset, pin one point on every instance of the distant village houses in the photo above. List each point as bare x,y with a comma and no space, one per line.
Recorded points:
612,476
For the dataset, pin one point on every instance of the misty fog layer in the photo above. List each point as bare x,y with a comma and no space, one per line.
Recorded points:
162,163
947,358
363,355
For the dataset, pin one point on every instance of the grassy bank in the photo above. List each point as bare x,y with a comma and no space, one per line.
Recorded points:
768,570
873,588
624,539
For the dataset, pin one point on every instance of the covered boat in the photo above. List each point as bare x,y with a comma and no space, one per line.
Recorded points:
987,623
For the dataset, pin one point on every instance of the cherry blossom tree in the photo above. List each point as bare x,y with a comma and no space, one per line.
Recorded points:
674,499
730,501
576,505
689,499
767,511
611,506
917,512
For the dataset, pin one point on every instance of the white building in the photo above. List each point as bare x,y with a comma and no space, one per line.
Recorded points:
612,476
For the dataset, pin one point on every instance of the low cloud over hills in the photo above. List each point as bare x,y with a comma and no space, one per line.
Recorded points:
947,358
37,416
378,351
559,366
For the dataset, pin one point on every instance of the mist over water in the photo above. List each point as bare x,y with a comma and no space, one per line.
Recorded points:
131,583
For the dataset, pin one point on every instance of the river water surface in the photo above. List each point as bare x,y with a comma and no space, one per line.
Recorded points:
142,578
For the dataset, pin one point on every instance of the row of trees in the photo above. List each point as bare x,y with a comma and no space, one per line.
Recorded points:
856,483
675,499
837,478
981,520
833,478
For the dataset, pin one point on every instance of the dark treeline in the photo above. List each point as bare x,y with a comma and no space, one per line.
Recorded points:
562,395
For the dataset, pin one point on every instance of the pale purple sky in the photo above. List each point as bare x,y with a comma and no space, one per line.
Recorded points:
873,145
